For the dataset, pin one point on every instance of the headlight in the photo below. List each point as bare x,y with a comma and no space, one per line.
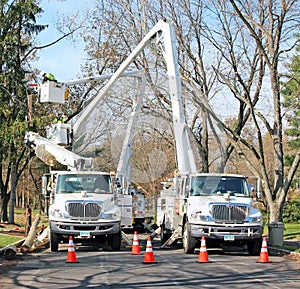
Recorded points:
57,213
198,217
110,215
107,216
256,219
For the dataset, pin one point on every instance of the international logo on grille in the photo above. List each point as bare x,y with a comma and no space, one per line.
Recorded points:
84,209
229,212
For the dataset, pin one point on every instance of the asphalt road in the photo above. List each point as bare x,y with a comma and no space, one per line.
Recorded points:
173,269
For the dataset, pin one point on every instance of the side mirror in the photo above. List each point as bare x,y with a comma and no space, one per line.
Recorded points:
258,195
44,185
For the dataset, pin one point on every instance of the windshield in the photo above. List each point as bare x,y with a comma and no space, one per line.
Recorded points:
219,185
76,183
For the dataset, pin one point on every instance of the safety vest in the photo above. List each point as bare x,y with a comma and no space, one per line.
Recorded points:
50,76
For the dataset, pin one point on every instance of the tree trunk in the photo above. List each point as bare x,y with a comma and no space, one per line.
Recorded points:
4,207
13,182
275,212
23,197
31,236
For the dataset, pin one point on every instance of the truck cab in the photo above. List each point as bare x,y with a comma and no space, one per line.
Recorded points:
82,205
217,206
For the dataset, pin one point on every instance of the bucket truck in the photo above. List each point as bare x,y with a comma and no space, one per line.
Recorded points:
81,200
91,206
193,204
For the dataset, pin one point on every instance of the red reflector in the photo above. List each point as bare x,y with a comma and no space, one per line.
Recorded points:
177,207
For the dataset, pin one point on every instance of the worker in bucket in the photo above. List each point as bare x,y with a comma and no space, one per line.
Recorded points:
60,118
47,76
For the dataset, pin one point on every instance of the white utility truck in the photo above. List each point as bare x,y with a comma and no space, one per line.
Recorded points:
82,205
217,206
82,201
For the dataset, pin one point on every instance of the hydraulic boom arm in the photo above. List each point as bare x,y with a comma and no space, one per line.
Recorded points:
51,153
161,31
123,169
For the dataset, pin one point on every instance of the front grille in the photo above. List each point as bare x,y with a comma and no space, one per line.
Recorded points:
229,212
84,209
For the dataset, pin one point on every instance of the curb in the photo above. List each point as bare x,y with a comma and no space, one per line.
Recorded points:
283,252
278,252
10,250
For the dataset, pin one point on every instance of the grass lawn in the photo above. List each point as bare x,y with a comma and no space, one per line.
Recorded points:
20,221
291,231
6,240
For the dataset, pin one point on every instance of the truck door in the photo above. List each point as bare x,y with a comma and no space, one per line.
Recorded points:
183,195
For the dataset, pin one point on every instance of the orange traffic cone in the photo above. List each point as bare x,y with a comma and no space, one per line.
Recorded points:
149,257
71,252
203,256
135,249
264,256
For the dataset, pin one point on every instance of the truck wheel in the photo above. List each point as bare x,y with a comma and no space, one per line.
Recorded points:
188,241
53,242
116,242
254,247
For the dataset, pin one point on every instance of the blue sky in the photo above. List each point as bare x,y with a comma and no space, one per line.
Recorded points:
62,59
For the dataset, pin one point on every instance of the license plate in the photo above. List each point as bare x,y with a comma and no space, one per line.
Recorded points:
85,234
228,238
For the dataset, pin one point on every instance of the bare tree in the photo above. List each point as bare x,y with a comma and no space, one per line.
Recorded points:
267,29
228,51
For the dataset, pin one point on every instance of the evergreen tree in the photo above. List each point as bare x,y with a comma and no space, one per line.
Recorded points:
17,31
291,94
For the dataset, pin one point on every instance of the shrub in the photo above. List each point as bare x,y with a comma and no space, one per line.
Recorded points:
291,211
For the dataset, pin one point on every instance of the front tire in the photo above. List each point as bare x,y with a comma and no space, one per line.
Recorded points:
116,242
254,247
53,242
188,241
